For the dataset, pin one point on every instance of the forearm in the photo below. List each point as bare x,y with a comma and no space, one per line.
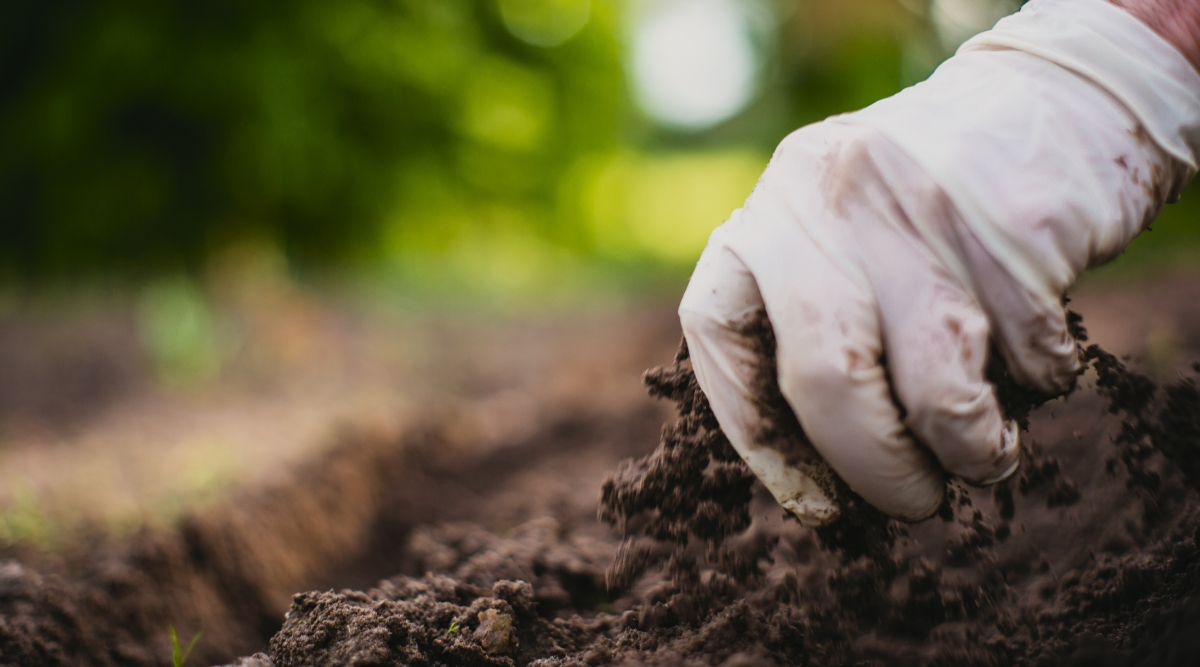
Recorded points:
1177,21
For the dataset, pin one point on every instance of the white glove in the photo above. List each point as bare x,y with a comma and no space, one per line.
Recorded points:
891,246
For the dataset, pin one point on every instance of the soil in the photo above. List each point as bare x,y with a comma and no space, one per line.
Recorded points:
421,550
707,576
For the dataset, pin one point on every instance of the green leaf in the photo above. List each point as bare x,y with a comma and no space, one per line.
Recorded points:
178,655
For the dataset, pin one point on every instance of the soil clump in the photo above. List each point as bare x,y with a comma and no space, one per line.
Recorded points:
709,571
1091,555
373,504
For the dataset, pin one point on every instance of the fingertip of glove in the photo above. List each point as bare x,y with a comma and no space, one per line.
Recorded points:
932,509
813,511
1007,458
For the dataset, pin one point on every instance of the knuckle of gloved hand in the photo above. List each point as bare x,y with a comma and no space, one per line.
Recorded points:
1046,358
797,141
721,237
698,323
1063,367
914,505
1053,377
987,461
986,471
962,425
942,406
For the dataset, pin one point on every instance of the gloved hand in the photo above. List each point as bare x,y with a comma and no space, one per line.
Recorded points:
893,246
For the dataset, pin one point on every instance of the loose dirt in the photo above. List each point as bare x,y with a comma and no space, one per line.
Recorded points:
1089,557
708,572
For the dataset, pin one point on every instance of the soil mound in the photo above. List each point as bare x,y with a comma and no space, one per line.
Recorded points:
709,572
226,571
1091,556
371,505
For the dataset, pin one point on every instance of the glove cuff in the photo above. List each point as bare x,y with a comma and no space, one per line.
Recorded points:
1119,53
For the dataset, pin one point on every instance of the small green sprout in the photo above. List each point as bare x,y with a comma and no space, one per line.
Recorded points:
178,656
454,627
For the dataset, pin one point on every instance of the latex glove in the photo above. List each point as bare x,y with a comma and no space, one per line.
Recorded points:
891,247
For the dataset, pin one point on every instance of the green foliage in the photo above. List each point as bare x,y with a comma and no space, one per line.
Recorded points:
864,68
466,142
179,331
22,521
454,628
178,655
141,135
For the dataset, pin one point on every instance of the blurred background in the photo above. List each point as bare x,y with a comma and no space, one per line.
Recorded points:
225,225
494,147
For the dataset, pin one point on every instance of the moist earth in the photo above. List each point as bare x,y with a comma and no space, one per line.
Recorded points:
708,571
1089,556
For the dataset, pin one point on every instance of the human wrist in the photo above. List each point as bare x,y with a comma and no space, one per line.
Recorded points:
1176,21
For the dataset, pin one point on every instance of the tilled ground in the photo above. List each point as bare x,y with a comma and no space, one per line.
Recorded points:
1097,557
446,553
350,518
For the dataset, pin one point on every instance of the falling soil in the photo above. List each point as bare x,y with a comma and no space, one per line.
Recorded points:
1090,556
709,571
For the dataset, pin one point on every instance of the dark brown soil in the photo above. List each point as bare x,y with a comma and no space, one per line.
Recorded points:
1090,557
221,572
348,517
710,573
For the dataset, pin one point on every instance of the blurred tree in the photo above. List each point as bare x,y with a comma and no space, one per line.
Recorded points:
139,135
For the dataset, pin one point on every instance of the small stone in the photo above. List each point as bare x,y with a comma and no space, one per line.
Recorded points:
494,631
